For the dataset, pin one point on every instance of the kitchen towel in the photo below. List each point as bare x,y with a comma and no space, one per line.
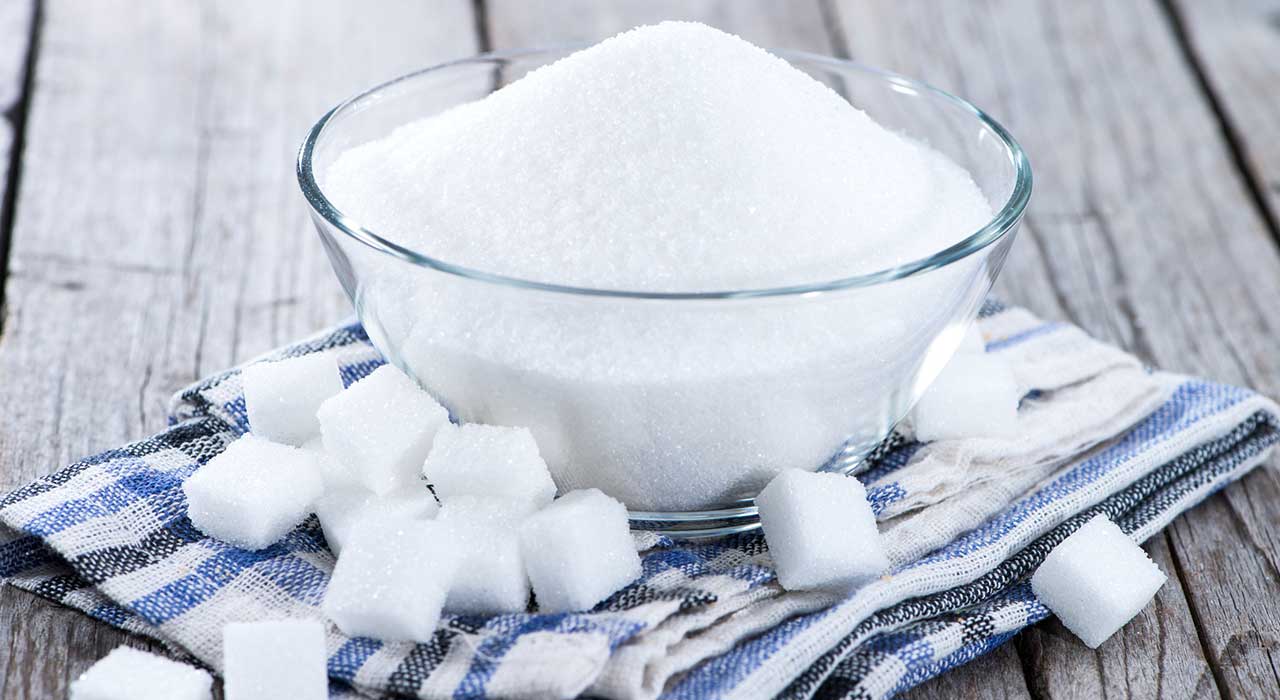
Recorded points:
966,523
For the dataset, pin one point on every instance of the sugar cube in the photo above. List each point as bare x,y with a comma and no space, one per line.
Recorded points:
275,659
132,674
341,509
1096,580
392,578
489,460
335,473
491,577
253,492
282,397
381,428
974,396
820,531
578,551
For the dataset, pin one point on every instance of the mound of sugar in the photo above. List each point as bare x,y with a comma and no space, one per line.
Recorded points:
669,158
640,162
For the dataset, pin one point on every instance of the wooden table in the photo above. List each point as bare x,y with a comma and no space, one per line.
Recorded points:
153,233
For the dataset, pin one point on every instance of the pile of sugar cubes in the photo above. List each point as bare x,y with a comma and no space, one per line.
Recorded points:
361,458
493,530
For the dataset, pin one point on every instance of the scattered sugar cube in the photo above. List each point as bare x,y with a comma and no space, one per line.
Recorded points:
381,428
1096,580
275,659
489,460
132,674
254,492
820,530
491,577
578,551
341,509
974,396
335,473
392,578
282,397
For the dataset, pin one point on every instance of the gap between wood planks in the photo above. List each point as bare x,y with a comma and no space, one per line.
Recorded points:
1230,135
16,115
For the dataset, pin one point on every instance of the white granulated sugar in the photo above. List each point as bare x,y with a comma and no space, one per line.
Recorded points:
669,158
637,163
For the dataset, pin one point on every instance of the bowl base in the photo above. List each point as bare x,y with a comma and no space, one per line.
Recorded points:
742,515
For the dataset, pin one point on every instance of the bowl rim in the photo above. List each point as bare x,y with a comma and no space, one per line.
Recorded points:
1002,222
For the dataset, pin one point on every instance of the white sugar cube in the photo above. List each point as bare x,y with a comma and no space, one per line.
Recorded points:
335,473
489,460
392,578
381,428
820,531
131,674
1096,580
338,510
491,577
275,659
341,509
282,397
974,396
578,551
254,492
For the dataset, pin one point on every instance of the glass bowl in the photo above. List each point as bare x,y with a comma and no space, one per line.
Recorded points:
681,405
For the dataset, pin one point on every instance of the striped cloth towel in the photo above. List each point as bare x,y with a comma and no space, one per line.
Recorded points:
966,522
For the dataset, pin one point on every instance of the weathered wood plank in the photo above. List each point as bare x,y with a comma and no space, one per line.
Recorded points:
521,23
1143,232
995,676
1235,48
159,234
17,44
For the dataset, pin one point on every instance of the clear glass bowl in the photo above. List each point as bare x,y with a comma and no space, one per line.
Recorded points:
681,405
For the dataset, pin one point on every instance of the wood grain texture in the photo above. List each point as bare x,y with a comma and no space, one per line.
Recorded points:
1143,232
159,233
995,676
525,23
1158,655
1235,48
17,49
